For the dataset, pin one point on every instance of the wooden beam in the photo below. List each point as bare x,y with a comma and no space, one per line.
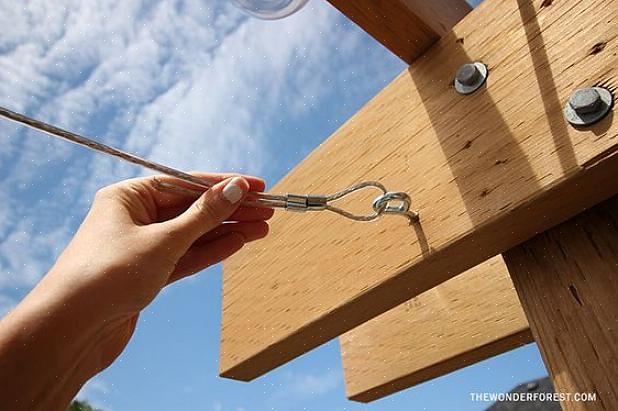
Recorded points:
465,320
567,280
406,27
486,172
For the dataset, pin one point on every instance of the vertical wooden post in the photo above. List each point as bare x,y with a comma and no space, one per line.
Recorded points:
567,281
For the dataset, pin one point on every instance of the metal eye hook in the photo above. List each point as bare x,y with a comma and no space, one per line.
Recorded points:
381,205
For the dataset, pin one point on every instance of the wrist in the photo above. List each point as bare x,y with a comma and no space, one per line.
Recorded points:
46,346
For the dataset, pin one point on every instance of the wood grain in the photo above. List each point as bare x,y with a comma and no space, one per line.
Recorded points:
467,319
406,27
486,172
567,279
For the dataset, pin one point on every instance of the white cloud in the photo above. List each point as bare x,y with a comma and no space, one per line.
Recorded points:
218,406
95,392
300,386
6,304
26,251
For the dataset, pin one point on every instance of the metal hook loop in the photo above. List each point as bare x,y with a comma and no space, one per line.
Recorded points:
382,205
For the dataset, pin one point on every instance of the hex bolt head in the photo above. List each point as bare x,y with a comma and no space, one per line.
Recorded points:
468,74
588,105
586,101
470,77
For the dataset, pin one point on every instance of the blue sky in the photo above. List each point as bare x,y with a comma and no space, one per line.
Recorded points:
197,85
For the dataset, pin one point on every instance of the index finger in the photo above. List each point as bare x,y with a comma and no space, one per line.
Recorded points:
164,198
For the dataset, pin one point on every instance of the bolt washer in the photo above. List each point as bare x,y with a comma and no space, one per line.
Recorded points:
590,118
469,89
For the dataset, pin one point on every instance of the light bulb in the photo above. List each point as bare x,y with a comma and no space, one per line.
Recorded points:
270,9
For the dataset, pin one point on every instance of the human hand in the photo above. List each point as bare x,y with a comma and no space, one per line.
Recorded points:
134,241
137,239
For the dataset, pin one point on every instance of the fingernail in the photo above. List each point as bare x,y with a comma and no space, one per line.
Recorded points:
234,190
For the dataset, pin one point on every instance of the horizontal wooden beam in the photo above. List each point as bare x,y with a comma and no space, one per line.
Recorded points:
486,171
567,279
469,318
406,27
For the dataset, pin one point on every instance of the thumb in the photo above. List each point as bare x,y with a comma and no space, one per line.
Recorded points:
211,209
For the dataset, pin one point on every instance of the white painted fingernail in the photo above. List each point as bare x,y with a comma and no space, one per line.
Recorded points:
233,191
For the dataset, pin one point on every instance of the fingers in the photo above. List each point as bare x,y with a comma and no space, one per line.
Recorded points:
255,183
252,214
241,214
210,210
216,246
205,255
169,199
251,231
